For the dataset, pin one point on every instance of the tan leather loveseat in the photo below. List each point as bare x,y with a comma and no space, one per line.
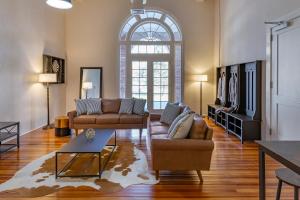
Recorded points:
109,119
193,153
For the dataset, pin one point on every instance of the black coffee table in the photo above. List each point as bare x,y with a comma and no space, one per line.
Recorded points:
80,145
9,130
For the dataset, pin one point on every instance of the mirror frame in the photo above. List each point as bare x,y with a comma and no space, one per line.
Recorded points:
101,82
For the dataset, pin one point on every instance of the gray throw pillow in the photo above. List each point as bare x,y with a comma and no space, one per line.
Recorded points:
93,106
126,106
170,113
81,107
139,106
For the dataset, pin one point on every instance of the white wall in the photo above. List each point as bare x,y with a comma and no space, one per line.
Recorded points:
243,30
28,29
92,29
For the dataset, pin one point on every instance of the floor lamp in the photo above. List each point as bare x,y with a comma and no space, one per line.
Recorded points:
201,78
47,78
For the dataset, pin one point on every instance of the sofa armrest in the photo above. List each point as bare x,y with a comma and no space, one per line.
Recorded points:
181,144
181,154
71,116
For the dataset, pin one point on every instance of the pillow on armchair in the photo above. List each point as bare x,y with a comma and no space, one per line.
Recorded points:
170,113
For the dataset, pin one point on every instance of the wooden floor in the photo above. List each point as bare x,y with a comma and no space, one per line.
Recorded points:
233,174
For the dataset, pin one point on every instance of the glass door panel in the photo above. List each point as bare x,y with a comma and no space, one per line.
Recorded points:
160,85
139,79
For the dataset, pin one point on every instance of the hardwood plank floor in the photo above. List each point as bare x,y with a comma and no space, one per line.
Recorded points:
233,174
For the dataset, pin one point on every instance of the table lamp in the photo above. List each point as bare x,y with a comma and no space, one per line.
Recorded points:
47,78
87,86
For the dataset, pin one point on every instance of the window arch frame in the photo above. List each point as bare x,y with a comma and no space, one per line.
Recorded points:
176,68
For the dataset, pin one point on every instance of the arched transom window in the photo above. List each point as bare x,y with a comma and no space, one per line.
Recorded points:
151,59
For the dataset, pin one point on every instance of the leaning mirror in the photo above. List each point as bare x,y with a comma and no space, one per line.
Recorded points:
90,82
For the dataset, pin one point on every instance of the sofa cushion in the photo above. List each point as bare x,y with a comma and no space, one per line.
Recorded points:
108,119
85,119
131,119
111,105
170,113
157,123
126,106
182,128
159,130
198,129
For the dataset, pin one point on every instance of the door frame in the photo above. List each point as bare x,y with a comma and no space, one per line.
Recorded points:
272,27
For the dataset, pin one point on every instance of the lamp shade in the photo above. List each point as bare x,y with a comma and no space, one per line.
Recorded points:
47,78
87,85
60,4
202,78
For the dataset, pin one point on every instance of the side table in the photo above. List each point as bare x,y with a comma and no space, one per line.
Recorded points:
62,126
9,130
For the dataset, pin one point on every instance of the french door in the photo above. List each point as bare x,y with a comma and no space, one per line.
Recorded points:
283,74
150,80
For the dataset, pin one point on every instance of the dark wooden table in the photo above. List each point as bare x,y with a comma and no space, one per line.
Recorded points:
81,145
287,153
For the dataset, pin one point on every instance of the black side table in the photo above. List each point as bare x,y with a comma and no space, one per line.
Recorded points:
8,130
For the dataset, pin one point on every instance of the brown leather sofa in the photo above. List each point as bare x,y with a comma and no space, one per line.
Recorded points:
109,119
193,153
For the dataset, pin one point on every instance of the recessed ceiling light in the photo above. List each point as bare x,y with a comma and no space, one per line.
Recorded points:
60,4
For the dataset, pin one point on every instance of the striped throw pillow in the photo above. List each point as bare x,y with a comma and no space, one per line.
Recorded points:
182,128
81,107
139,106
93,106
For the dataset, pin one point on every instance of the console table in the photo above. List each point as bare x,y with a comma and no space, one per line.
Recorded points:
9,130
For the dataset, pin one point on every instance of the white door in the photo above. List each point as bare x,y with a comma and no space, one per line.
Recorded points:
150,80
284,75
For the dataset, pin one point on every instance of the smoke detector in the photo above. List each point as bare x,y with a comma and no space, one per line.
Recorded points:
137,7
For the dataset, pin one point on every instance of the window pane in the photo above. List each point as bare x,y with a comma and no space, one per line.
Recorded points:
139,79
160,84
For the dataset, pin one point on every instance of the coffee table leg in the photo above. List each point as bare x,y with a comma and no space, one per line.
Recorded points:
100,170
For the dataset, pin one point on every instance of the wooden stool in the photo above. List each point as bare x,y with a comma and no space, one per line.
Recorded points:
289,177
62,126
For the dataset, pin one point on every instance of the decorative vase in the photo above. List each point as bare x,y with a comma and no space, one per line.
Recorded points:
90,134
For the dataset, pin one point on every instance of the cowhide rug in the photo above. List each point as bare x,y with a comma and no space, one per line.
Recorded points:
128,166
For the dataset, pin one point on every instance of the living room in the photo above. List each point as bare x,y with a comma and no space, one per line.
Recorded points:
82,71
